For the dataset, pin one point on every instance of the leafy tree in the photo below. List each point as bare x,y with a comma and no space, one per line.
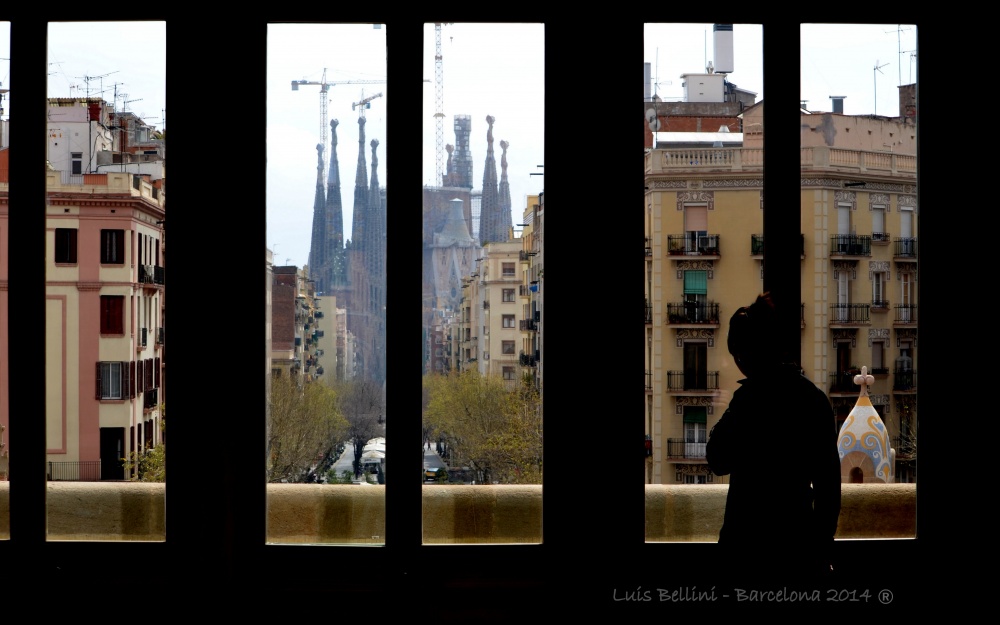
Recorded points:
150,465
304,428
492,427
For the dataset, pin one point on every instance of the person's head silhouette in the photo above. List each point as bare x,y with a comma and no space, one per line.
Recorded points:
751,341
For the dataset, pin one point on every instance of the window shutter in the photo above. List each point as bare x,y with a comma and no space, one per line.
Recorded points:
128,374
149,375
98,376
695,282
136,368
156,372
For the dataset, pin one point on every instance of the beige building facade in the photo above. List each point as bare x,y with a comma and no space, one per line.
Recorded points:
704,258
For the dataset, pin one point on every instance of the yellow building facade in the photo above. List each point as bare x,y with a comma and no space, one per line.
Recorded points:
704,254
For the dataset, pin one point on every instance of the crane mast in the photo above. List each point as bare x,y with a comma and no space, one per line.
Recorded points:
324,98
438,105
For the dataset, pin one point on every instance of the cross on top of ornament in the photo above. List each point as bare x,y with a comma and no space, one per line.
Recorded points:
864,380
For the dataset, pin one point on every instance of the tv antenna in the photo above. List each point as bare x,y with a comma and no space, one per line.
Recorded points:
899,47
878,68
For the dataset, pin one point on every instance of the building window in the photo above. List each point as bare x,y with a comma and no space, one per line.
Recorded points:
880,298
878,223
878,357
77,162
508,321
695,294
112,314
695,226
508,295
65,245
112,380
508,347
695,434
112,247
508,373
508,270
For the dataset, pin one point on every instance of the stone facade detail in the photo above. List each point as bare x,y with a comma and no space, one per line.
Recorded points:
696,197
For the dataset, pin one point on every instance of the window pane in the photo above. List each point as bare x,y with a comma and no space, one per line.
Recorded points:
703,232
869,132
327,283
482,288
104,301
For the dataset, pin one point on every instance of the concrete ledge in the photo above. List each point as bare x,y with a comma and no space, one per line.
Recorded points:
355,514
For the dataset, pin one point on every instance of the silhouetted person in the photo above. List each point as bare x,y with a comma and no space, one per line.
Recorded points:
777,441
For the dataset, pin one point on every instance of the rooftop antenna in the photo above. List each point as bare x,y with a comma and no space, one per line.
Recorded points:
878,68
899,47
913,56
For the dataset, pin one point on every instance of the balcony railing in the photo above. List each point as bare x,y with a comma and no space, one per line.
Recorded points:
81,471
649,314
692,380
904,380
680,448
906,313
850,313
649,246
690,312
649,380
528,324
692,245
880,237
526,360
757,245
150,274
905,248
843,382
851,245
880,305
160,336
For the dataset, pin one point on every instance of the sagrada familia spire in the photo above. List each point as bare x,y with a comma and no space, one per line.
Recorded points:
493,225
327,264
505,214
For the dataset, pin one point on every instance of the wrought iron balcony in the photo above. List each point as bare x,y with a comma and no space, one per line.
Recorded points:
843,382
692,245
851,245
79,471
649,314
904,380
691,312
649,246
649,380
905,247
528,324
880,305
160,336
526,360
692,380
680,448
850,314
880,237
906,313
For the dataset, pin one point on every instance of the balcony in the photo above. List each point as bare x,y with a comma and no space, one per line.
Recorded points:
160,336
905,248
843,382
526,360
850,245
649,247
524,290
904,381
528,324
150,275
691,245
850,314
880,238
678,448
681,313
142,338
81,471
757,245
649,380
649,314
880,305
906,314
692,381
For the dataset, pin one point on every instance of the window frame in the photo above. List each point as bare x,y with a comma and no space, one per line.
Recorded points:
220,523
508,295
112,246
65,246
508,322
112,315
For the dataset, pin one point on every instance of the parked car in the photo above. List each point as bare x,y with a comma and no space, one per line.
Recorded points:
435,474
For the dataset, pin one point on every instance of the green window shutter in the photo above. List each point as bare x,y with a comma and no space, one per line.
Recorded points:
696,283
695,414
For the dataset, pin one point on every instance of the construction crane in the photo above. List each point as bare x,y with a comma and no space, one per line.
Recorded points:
324,89
438,104
365,103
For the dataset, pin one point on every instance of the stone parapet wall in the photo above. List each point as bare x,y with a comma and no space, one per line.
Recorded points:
342,514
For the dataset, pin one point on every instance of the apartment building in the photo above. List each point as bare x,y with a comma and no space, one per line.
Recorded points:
704,257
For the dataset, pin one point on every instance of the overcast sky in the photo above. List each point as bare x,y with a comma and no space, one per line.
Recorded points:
489,69
835,59
348,52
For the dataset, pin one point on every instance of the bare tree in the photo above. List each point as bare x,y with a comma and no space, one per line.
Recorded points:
362,402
